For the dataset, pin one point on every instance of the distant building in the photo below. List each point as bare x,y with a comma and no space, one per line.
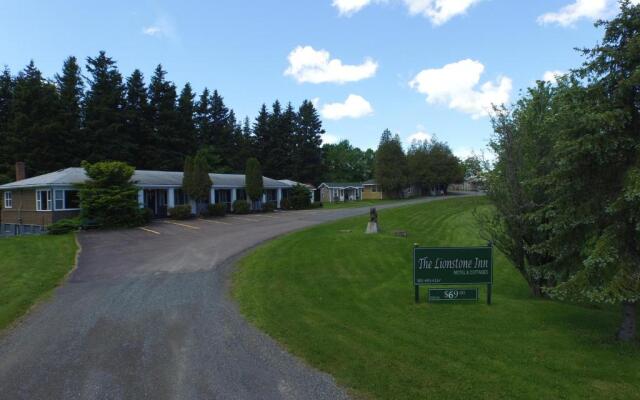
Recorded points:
334,192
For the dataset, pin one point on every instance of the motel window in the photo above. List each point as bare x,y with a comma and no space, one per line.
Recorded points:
43,200
67,200
180,197
8,200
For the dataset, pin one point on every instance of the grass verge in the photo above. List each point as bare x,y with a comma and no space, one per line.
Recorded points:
30,268
343,301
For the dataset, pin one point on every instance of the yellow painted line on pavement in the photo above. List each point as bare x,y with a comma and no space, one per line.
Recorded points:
211,221
265,216
149,230
246,219
179,224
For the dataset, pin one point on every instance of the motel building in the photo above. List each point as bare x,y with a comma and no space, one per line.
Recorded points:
29,205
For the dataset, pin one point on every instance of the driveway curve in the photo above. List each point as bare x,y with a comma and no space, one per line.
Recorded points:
147,315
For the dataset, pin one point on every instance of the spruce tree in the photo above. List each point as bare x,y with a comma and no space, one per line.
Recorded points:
186,129
594,212
71,146
164,119
138,120
261,133
33,129
390,166
104,117
203,119
306,158
6,100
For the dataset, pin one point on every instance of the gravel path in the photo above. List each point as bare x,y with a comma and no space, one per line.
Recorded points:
147,315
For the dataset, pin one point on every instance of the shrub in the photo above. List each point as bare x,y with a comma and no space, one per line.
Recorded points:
109,198
268,207
241,207
300,197
180,212
285,204
317,204
145,215
64,226
216,210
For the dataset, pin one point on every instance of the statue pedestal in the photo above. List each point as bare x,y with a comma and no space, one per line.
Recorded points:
372,227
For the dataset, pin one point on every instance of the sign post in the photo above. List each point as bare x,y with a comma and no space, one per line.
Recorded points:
452,266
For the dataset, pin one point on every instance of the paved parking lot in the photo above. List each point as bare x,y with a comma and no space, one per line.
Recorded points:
147,315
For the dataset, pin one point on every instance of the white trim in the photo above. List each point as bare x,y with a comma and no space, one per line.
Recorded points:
39,200
8,200
64,200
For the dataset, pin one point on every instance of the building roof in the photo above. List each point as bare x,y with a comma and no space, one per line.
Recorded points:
142,178
341,185
294,183
370,182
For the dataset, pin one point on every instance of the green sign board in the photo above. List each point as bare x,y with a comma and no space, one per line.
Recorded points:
452,266
436,295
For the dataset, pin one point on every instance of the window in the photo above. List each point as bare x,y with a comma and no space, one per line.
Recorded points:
241,194
43,200
8,200
67,200
179,197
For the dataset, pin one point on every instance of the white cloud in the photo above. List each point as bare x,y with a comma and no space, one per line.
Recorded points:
348,7
456,86
420,135
354,107
316,66
439,11
571,13
552,76
163,27
328,138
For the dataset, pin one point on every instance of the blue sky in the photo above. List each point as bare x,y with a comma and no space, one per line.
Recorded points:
413,66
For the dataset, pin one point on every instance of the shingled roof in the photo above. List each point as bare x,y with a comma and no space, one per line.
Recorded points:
142,178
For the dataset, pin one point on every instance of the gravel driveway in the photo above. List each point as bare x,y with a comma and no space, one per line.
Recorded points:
147,315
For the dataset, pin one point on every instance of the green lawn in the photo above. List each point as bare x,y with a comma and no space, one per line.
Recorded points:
343,301
30,267
357,203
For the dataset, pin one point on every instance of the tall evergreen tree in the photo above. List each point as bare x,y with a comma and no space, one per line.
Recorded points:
6,99
306,157
34,122
72,146
254,182
261,132
138,120
203,119
186,128
390,167
104,119
164,118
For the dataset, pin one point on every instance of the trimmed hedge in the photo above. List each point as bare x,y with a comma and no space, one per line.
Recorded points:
241,207
216,210
64,226
180,212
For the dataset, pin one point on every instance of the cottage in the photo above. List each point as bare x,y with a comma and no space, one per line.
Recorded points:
331,192
30,205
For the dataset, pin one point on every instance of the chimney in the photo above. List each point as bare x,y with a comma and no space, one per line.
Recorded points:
21,172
